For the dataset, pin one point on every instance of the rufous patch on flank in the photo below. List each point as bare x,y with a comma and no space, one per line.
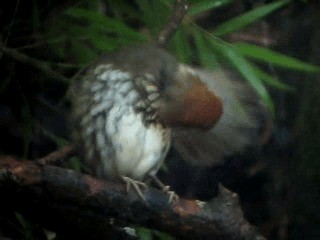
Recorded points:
204,107
192,104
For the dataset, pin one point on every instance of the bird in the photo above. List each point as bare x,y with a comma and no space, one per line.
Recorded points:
130,106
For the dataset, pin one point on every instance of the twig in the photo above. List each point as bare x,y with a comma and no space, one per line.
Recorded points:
69,202
56,157
40,65
180,11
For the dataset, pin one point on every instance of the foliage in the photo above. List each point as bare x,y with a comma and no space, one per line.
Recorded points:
247,18
89,32
147,234
75,36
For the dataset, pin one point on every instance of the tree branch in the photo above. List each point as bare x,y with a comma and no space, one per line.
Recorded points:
40,65
180,11
57,157
83,205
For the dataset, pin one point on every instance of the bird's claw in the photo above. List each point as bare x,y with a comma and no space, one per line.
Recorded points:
200,203
136,185
173,197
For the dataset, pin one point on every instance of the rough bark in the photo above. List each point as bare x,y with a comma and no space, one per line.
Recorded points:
74,204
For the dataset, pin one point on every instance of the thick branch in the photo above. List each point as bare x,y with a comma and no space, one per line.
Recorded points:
69,202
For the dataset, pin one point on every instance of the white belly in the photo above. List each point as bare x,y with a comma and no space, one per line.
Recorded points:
116,140
138,150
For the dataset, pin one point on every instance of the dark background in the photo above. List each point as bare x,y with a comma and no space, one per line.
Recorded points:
278,184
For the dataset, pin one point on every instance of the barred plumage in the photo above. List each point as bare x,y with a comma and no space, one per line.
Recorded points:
129,106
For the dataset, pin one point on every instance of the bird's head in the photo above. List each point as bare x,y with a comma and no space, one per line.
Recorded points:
187,102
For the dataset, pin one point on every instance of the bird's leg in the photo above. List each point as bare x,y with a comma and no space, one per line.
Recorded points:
136,185
166,189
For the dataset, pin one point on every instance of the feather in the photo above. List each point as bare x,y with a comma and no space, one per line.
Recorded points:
243,117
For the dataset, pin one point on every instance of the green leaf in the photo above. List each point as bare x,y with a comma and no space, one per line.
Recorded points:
154,14
274,57
148,234
182,46
102,43
244,68
26,227
271,81
81,53
202,6
163,236
75,164
102,23
206,57
22,221
123,9
247,18
144,233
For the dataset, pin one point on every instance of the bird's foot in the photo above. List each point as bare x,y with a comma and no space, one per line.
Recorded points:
173,197
136,185
200,203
